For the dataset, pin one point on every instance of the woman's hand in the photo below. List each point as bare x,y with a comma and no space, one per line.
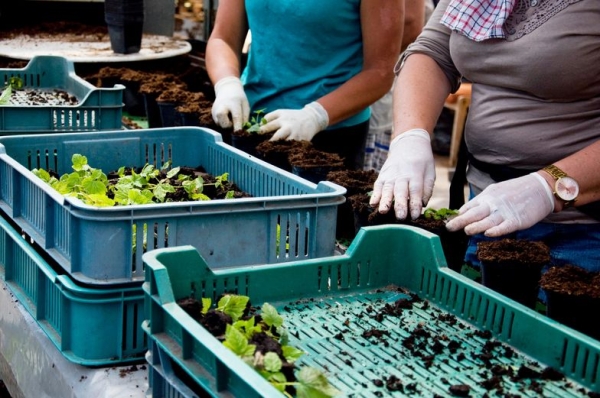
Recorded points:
407,176
506,207
296,124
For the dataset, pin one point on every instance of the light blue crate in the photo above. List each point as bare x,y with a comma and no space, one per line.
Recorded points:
98,109
89,326
324,297
286,219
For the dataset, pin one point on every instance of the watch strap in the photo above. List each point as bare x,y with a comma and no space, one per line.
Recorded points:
554,171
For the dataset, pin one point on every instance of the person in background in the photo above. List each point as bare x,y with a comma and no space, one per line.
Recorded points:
416,13
314,66
533,129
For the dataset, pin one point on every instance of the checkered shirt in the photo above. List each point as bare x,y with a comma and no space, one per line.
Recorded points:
478,19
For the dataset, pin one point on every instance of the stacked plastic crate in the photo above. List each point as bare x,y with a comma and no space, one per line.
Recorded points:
457,338
78,269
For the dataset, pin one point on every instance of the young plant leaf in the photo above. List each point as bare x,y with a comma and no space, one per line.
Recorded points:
272,362
206,304
238,343
312,383
270,315
233,305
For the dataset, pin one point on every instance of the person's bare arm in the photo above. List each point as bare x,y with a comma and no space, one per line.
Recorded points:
414,19
419,94
382,25
224,46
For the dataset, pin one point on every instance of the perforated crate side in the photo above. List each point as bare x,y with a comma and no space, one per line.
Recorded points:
98,108
91,327
413,260
286,219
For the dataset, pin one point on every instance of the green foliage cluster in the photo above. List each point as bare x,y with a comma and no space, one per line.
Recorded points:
92,186
256,121
439,214
14,83
309,383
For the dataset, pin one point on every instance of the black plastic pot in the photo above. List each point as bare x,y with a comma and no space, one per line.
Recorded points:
152,111
167,113
578,312
125,22
248,143
313,173
517,281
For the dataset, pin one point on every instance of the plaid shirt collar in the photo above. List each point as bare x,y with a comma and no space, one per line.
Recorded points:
478,19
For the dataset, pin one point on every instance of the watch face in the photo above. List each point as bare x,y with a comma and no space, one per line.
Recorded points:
566,188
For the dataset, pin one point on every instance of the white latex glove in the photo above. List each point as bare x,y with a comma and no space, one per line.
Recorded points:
230,100
407,176
506,207
296,124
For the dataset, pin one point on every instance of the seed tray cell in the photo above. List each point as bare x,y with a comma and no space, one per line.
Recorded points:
287,218
441,330
98,109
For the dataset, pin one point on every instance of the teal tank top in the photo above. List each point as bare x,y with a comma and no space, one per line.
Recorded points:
301,51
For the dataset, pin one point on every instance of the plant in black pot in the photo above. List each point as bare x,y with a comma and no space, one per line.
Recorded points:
573,297
249,136
513,267
125,22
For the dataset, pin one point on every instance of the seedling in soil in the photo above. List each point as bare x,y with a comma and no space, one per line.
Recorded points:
261,341
439,214
92,186
255,122
14,83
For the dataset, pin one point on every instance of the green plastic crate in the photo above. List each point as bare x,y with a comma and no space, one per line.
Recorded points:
316,308
287,218
91,327
98,109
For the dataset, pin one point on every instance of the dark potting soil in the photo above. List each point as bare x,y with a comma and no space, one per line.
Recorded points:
510,251
572,280
355,181
277,152
312,157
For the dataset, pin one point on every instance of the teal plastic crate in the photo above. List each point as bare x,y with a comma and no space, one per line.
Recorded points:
287,218
98,109
323,298
92,327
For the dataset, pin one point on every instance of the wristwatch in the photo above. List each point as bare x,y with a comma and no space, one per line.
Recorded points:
566,189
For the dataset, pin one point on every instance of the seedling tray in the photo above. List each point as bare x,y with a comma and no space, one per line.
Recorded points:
91,327
287,218
98,109
456,333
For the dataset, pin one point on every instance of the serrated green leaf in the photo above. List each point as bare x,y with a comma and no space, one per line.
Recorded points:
41,174
233,305
206,304
93,186
79,162
270,316
291,354
99,200
312,383
272,362
5,96
173,172
237,342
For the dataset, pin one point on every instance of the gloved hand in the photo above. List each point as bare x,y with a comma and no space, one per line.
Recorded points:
407,176
230,100
296,124
506,207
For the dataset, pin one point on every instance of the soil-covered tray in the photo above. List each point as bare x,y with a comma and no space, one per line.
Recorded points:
434,334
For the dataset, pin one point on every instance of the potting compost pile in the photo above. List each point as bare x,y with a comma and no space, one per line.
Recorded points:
390,342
